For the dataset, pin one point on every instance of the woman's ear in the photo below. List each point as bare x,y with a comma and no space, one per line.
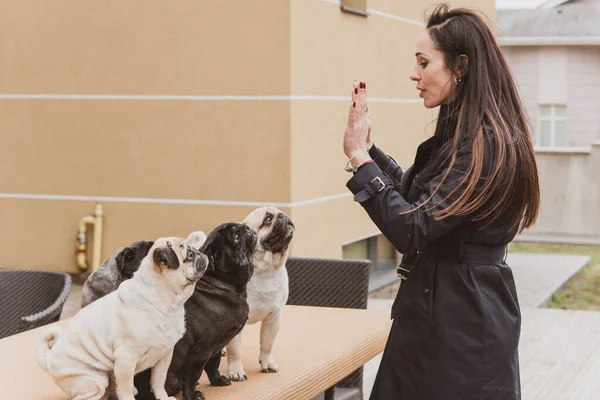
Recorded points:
462,66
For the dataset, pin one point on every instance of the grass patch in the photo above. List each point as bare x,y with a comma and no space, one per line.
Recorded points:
581,292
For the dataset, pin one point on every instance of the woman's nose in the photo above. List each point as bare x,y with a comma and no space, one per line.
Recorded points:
415,77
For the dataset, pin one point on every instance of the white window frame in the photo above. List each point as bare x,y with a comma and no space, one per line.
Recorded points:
552,118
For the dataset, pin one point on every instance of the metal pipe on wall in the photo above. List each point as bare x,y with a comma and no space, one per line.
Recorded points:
81,244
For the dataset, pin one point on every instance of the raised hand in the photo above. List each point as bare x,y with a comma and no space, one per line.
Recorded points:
358,132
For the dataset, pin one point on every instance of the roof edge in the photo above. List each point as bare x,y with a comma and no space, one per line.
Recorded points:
552,3
549,41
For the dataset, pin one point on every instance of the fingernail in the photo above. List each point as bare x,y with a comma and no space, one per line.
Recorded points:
354,104
361,85
355,91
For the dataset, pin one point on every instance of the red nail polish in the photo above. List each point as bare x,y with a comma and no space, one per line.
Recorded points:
355,91
354,104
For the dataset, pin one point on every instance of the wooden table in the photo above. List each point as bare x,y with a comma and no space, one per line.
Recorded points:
316,347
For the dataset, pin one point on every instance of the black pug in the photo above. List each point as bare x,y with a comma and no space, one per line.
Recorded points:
120,267
214,314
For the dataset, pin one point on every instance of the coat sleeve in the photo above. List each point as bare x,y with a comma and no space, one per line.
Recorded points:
386,207
387,164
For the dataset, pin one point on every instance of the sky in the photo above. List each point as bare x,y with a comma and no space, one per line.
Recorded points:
518,3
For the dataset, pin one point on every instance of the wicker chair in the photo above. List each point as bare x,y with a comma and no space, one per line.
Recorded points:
332,283
29,299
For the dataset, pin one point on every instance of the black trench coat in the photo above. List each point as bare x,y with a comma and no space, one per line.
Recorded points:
457,320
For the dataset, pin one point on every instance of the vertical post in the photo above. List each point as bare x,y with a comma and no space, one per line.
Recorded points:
97,254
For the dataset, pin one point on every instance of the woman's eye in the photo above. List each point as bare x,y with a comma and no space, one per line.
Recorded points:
423,64
236,237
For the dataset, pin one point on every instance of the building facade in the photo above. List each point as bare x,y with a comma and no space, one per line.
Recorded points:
554,52
178,116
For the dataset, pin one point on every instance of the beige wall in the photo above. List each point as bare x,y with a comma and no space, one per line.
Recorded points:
144,47
570,196
176,164
200,149
41,234
155,149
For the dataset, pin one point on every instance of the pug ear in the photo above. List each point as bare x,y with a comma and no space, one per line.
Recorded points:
213,257
196,239
166,257
129,258
124,257
210,248
218,258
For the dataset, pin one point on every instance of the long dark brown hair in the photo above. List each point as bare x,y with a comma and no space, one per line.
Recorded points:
485,115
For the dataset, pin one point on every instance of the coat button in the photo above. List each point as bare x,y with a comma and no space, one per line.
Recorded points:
426,291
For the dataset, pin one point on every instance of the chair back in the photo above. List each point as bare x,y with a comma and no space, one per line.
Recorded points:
29,299
330,283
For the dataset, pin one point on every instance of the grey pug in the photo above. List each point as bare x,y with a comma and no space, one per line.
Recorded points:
113,271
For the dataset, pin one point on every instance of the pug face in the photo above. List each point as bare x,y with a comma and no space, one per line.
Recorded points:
177,262
229,248
274,228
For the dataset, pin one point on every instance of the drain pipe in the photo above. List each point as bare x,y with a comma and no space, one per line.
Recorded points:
81,245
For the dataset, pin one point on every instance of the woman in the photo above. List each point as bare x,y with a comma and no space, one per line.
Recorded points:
472,187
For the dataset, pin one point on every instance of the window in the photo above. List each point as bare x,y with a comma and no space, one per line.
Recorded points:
384,259
358,7
552,126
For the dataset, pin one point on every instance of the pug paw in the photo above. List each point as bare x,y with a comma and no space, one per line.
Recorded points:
272,369
222,380
172,385
238,377
199,395
268,364
236,371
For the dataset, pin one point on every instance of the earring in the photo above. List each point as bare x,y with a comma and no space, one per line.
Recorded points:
457,80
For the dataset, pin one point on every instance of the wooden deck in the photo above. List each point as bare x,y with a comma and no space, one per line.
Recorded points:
560,355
